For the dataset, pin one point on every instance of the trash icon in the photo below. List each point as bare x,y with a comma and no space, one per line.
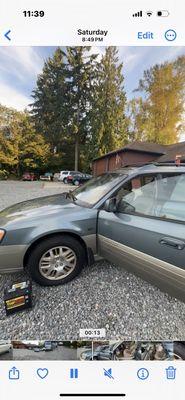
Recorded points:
171,372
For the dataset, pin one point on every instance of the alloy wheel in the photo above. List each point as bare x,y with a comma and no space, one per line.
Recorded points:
57,262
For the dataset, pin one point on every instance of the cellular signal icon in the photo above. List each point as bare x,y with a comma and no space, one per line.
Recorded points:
138,14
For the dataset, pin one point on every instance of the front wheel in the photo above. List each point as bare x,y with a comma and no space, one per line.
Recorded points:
56,260
65,180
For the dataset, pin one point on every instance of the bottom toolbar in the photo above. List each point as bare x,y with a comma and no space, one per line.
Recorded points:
51,380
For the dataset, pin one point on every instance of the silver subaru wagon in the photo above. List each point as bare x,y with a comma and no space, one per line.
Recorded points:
134,217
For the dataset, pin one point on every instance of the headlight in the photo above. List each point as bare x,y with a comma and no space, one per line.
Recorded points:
2,233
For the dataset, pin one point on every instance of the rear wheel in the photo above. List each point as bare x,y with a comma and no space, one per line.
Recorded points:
65,180
56,260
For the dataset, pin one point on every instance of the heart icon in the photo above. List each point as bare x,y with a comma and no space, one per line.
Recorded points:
42,372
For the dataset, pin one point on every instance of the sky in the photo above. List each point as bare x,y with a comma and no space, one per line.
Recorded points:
20,66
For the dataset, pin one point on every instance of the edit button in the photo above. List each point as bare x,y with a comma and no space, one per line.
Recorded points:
145,35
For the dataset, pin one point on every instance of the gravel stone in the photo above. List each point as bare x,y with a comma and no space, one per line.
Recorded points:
104,295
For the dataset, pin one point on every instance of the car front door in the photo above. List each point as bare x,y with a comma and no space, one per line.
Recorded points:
105,353
146,232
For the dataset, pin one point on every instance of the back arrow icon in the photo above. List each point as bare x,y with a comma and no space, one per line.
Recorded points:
6,35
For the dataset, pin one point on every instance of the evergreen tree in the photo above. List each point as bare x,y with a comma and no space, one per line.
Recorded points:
49,108
108,116
62,101
81,69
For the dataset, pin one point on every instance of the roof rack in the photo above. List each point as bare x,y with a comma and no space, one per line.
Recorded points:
160,164
168,164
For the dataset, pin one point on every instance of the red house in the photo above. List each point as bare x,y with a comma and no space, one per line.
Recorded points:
138,153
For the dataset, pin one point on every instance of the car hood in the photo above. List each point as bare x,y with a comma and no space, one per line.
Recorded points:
37,207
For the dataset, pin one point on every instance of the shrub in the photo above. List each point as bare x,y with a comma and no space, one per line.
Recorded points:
3,175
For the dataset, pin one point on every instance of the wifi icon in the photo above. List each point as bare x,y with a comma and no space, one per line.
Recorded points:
149,13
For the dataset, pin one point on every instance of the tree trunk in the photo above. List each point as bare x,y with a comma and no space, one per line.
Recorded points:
76,152
77,140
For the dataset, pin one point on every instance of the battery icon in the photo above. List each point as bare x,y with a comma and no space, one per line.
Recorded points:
163,13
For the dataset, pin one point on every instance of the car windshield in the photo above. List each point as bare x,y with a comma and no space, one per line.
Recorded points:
93,191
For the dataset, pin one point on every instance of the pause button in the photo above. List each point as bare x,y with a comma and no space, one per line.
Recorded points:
74,373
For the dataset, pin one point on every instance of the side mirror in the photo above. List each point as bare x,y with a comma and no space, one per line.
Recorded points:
110,205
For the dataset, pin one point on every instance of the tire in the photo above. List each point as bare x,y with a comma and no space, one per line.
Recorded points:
65,180
37,257
76,182
179,351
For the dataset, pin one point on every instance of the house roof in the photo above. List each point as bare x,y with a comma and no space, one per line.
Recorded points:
172,151
165,153
143,147
146,147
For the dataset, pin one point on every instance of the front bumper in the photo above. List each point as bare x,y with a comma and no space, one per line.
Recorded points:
11,258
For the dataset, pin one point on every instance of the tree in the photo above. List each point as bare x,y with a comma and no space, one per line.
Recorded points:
108,116
49,108
160,113
20,146
79,103
81,67
62,102
139,119
9,120
179,66
33,151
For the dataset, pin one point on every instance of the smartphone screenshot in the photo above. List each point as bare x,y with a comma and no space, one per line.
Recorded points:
92,200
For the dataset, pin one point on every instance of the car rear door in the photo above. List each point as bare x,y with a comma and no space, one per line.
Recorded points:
146,235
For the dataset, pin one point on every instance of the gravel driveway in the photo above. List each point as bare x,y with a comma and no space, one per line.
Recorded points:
104,295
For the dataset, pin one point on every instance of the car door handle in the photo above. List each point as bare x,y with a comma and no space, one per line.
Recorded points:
173,242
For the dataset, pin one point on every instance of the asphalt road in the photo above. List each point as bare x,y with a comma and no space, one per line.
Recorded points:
104,295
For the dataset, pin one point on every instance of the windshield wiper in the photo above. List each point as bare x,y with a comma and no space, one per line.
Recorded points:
70,195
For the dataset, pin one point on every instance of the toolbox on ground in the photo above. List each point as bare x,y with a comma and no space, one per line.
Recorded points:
18,297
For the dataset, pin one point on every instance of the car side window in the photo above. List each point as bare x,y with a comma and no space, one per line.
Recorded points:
160,195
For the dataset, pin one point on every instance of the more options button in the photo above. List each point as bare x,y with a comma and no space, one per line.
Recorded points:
145,35
170,35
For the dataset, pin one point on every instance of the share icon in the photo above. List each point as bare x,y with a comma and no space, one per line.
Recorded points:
108,373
